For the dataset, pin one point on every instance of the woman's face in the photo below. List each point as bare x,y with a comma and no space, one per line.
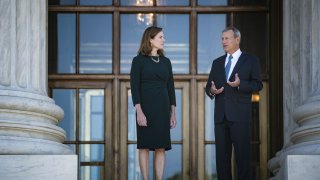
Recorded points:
158,41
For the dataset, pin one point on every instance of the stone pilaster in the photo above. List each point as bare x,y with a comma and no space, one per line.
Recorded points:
28,117
301,82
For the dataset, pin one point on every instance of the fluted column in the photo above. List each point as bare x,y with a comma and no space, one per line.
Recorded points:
28,117
301,82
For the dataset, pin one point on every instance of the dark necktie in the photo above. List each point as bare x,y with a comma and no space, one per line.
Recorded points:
227,68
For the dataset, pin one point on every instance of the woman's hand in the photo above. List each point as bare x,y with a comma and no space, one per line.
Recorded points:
173,121
141,118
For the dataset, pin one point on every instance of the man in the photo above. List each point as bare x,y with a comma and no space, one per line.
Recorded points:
232,79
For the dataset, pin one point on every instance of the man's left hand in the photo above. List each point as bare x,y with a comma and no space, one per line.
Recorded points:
236,82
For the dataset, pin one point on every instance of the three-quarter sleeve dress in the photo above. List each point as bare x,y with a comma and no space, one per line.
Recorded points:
152,87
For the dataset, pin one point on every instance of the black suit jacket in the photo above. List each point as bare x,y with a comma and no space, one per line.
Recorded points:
235,102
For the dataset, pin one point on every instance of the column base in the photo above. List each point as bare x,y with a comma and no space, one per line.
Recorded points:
297,167
38,167
31,146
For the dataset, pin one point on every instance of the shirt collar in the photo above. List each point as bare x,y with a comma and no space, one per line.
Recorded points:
235,55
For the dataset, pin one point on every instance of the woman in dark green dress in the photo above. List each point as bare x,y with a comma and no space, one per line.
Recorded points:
153,96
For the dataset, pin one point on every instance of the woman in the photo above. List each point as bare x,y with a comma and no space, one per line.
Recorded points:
153,97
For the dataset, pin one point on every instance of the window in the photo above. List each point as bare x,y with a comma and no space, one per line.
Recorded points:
91,47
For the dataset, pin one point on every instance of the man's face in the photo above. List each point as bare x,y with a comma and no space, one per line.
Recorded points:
230,44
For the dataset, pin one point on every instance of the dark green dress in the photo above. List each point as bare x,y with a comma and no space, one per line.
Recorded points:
152,87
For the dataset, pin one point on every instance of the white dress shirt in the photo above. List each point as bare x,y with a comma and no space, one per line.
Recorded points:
235,58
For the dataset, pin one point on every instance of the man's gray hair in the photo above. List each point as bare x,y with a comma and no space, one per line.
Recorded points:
235,31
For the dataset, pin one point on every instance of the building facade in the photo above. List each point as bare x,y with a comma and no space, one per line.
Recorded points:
87,47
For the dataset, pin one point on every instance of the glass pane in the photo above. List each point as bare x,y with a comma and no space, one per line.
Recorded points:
133,163
62,2
212,3
254,40
91,173
91,152
210,28
209,119
95,2
95,43
132,130
91,114
136,2
173,168
66,99
62,43
176,33
210,158
250,2
176,133
173,2
132,28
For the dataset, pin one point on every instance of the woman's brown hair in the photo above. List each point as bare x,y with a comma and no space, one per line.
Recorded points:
145,46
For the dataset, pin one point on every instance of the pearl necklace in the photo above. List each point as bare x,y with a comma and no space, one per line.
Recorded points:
155,60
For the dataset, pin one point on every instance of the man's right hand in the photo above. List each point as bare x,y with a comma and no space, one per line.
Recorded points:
214,90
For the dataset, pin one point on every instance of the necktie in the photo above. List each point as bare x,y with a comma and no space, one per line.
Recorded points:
227,68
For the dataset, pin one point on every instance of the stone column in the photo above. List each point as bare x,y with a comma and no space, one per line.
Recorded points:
28,117
301,84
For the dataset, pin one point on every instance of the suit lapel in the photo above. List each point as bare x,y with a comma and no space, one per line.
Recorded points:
241,60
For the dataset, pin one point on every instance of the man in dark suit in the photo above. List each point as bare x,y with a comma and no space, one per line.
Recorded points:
232,80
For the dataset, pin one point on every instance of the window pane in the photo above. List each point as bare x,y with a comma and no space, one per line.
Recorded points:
91,173
209,119
136,2
62,2
132,130
176,33
176,133
173,166
66,99
95,2
254,40
91,152
210,28
133,163
95,43
62,49
173,2
210,166
212,3
132,28
91,117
